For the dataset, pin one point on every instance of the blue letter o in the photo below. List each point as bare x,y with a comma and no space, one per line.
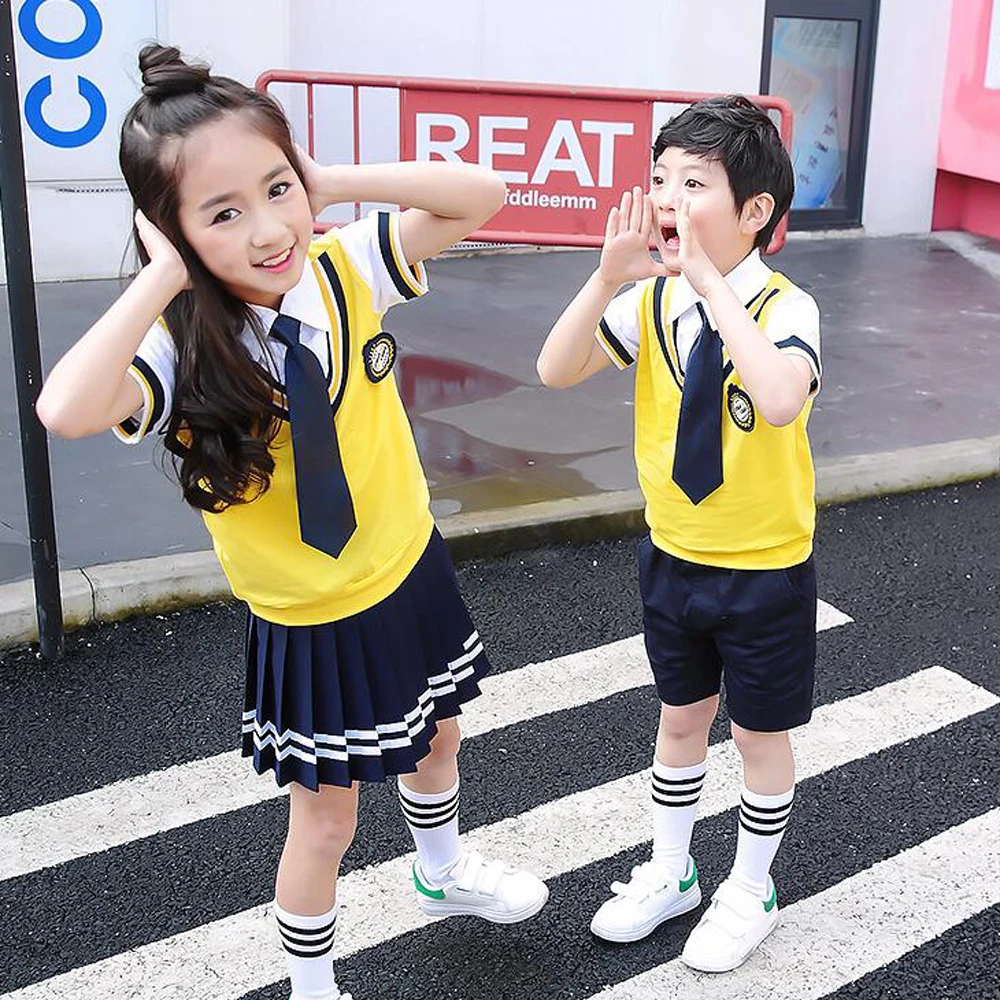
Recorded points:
27,21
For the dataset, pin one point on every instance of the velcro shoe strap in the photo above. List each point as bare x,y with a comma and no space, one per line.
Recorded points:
646,879
489,880
734,909
470,872
631,890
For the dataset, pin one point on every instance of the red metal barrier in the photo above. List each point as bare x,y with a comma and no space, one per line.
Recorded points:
567,152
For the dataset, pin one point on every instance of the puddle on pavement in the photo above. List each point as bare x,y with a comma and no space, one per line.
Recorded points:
482,475
430,383
465,472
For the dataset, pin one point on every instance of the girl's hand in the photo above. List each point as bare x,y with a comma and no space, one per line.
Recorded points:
695,263
163,254
625,256
315,178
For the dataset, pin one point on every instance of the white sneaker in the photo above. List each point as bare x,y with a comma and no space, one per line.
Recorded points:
734,924
476,887
651,896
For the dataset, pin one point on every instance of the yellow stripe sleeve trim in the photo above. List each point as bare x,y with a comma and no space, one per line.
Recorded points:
417,283
610,351
147,411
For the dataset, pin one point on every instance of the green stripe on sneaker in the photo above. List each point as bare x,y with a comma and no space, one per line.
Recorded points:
431,893
686,883
770,904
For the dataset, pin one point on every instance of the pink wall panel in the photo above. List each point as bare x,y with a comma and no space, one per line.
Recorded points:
970,122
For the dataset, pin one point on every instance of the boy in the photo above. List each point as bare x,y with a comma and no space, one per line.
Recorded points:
727,363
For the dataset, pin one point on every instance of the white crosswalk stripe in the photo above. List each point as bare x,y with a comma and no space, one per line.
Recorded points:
825,941
138,807
224,959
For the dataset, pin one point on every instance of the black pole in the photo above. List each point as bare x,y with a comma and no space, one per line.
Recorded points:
27,359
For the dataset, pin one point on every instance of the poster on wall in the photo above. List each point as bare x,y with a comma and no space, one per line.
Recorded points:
812,66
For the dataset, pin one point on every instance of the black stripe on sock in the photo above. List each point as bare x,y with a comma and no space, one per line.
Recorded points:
677,792
688,790
428,815
417,824
309,954
765,820
673,793
762,833
427,807
307,931
677,803
320,945
765,809
307,942
677,782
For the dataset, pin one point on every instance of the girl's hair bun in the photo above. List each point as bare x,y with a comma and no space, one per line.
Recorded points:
165,74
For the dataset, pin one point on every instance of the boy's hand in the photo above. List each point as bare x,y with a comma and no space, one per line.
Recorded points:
695,263
625,256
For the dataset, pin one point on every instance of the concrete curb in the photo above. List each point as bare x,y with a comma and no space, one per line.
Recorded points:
165,583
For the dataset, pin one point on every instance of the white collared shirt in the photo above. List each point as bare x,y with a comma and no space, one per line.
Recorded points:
795,315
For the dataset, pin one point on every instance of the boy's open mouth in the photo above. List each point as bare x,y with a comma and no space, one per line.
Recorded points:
670,238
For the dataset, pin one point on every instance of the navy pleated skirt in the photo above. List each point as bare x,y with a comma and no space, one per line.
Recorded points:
359,699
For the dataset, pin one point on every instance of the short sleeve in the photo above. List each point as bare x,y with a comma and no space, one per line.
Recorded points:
374,247
154,369
794,328
618,331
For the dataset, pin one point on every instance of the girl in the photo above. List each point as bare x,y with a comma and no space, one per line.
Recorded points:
257,352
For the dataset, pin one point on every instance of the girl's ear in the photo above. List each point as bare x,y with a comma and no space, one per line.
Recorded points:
756,213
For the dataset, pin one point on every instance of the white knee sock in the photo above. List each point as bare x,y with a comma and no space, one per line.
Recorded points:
308,944
433,821
676,791
763,819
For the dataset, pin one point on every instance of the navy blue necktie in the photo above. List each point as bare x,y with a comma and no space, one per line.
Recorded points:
326,511
698,450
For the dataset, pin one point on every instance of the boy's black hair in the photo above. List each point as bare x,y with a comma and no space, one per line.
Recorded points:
741,136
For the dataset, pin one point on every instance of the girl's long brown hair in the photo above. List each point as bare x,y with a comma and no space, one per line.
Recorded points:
223,418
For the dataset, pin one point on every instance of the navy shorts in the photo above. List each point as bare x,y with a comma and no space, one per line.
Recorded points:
754,629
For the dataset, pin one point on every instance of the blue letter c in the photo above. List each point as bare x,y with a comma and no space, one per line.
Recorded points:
68,139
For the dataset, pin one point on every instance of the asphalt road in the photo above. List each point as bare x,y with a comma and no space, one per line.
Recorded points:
889,876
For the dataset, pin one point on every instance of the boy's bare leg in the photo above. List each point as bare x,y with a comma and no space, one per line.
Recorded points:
768,765
682,738
678,774
769,786
667,885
